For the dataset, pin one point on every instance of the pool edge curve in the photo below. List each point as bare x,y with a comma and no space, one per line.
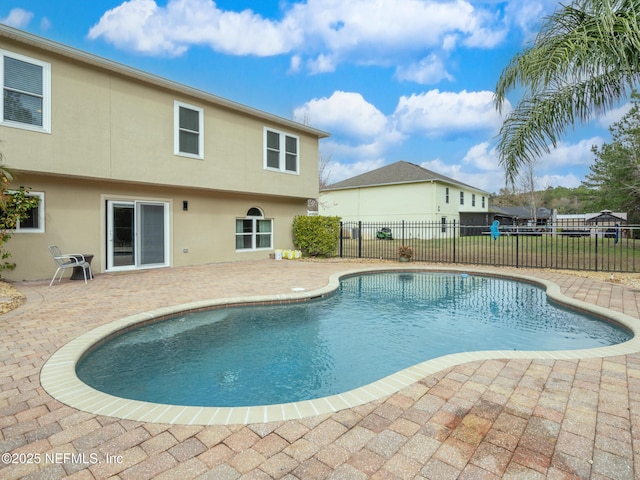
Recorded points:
59,379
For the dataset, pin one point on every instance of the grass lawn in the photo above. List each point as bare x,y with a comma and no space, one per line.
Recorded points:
542,251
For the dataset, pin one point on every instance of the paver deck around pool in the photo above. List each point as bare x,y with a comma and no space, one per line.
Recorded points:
528,418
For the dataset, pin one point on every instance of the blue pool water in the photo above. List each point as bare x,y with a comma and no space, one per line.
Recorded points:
373,326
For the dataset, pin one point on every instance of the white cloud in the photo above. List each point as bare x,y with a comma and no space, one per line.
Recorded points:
327,32
322,64
480,167
143,26
361,132
367,138
348,113
528,14
295,64
436,113
614,115
484,158
18,18
341,171
438,166
487,181
569,181
45,24
429,70
486,30
570,154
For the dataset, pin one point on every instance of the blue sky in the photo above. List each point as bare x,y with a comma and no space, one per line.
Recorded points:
389,79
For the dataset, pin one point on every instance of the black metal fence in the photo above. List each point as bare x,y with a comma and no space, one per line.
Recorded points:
572,246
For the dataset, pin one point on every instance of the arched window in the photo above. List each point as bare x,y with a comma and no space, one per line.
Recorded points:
254,232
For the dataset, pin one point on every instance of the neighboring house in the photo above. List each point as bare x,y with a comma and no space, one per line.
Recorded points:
605,218
402,191
140,171
601,223
520,216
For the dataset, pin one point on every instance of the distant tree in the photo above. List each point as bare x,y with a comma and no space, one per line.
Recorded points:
584,60
527,183
324,171
564,200
506,197
614,181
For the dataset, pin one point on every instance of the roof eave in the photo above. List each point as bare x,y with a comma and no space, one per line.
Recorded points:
429,180
145,77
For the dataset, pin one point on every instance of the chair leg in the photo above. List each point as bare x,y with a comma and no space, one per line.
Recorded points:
54,276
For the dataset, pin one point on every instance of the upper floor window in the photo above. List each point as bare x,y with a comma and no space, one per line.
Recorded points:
35,222
26,92
461,198
483,204
188,126
280,151
446,195
473,199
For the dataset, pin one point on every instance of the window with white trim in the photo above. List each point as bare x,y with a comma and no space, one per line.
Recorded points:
461,198
26,92
188,130
473,199
254,232
281,151
35,222
446,195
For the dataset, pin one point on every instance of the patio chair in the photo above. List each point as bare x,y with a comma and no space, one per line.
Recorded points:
73,260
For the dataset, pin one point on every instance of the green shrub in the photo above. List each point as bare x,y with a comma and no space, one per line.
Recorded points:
316,236
15,206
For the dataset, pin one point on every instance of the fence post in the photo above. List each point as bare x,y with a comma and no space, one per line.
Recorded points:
517,248
359,238
403,232
340,241
454,241
596,255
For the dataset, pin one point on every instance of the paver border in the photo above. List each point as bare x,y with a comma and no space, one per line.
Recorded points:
59,379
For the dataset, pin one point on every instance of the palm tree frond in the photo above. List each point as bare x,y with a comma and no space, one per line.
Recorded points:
585,58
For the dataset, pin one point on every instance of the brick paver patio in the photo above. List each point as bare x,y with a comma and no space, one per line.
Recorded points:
511,419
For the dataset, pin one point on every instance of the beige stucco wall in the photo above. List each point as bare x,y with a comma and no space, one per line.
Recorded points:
108,126
75,219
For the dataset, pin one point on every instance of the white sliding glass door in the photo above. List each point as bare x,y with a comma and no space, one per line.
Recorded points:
137,234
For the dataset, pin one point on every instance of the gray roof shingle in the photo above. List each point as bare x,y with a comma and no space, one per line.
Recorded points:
395,173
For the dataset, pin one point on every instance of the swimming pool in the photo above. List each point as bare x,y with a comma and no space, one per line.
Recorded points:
373,326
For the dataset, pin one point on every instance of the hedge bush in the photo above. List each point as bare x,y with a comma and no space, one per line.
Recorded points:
316,236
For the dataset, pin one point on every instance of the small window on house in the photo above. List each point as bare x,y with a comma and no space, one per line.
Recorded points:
483,204
461,198
446,195
443,222
281,151
188,125
26,92
254,232
473,199
35,222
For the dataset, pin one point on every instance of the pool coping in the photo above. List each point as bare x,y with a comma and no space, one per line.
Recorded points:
59,379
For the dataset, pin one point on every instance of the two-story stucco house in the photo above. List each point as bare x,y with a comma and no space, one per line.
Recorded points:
141,171
402,191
